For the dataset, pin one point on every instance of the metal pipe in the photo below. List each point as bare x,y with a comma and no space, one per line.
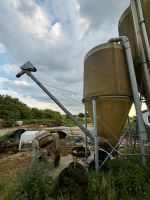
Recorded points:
129,128
85,115
141,50
95,135
88,133
143,28
141,127
109,155
20,74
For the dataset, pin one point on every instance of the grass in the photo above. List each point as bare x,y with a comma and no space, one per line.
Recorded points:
126,179
31,184
5,136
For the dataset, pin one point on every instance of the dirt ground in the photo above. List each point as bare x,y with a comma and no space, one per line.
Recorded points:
10,166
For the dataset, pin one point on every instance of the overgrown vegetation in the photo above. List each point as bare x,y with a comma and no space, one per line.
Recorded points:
126,179
31,184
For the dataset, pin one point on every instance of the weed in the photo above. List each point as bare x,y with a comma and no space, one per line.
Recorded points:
32,184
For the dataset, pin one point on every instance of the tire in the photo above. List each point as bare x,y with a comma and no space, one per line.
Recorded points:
66,182
17,133
80,152
61,134
102,157
78,172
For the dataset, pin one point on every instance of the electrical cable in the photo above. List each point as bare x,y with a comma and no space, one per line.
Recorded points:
50,85
70,99
67,97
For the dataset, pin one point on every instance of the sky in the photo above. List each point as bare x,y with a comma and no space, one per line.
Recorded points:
54,35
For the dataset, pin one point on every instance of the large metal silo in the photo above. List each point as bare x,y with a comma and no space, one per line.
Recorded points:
126,27
106,79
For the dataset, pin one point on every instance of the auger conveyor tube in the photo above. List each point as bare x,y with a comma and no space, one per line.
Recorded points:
88,133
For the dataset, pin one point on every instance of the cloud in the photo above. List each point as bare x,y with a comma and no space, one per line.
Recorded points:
2,48
20,83
102,13
54,36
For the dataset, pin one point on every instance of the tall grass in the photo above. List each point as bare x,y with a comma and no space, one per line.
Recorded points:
31,184
125,180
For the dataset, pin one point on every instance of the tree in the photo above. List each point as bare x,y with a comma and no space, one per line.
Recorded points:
36,113
81,115
11,109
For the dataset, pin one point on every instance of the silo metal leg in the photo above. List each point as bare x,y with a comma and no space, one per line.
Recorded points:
129,131
95,136
85,135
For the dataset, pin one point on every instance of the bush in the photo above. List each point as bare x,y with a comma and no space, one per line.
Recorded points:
32,184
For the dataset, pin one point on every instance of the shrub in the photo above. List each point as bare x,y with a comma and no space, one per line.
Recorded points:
32,184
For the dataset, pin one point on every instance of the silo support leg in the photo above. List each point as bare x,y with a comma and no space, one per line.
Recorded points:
137,103
85,135
95,136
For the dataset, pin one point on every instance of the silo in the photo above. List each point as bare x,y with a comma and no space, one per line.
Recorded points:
106,79
126,27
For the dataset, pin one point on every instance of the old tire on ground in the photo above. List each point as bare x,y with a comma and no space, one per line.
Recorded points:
56,160
17,133
46,140
61,134
78,172
80,152
102,157
66,182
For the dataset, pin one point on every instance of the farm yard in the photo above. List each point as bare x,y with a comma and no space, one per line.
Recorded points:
75,100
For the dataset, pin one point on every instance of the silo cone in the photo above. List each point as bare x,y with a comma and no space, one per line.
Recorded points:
106,78
126,27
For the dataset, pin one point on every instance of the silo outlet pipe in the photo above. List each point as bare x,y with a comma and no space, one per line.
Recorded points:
141,127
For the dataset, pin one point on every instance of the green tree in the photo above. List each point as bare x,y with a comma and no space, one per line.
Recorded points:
12,108
36,113
81,115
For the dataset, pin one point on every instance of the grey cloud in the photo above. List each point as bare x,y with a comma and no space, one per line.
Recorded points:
60,63
102,12
26,9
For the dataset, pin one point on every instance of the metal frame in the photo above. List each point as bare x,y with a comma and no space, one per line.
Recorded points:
85,116
96,140
141,127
